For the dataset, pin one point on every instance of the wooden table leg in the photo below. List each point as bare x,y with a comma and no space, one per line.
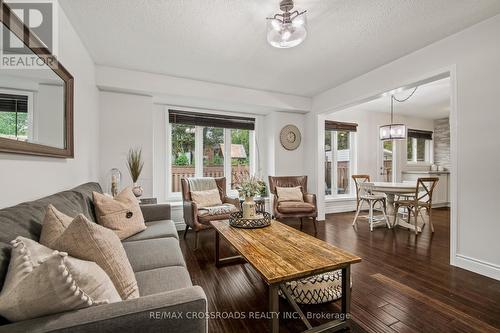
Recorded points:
274,307
346,291
217,249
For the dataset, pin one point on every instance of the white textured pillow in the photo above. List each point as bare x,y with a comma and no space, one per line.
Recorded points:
289,194
41,281
206,198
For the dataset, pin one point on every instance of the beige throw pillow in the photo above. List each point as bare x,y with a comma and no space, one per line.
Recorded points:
122,214
89,241
289,193
206,198
41,281
54,224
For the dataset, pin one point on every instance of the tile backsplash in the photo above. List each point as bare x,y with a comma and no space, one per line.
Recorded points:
442,142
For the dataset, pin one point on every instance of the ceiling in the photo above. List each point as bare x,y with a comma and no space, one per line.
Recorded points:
430,101
224,41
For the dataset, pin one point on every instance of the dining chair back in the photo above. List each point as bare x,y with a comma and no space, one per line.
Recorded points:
358,181
422,199
364,193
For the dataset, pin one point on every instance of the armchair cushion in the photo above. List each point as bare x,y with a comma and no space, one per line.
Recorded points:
217,210
289,194
206,198
291,207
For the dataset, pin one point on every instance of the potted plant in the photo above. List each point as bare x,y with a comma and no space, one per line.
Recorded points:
249,187
135,164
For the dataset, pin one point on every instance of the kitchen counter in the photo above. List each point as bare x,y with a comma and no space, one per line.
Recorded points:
427,172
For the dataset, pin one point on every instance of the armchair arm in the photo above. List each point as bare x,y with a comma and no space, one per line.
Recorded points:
310,198
156,212
233,201
190,211
170,311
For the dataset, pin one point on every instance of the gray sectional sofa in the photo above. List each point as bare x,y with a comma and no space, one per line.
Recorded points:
155,255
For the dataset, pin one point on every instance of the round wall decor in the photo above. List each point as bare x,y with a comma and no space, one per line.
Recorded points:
290,137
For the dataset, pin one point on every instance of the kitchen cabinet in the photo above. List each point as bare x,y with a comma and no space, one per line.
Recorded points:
441,195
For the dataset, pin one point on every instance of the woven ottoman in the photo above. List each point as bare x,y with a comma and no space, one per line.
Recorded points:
317,289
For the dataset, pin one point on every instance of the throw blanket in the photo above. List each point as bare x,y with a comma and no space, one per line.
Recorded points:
202,184
218,210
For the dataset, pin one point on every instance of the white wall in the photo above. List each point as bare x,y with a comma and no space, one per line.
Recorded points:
472,56
282,162
28,177
126,121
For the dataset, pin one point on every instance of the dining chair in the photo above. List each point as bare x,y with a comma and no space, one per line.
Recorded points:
364,194
422,199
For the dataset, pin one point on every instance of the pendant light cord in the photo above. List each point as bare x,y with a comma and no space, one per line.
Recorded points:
407,98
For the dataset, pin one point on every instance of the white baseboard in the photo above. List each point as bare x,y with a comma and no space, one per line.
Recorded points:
477,266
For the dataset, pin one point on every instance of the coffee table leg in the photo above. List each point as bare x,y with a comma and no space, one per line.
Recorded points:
274,307
346,291
217,253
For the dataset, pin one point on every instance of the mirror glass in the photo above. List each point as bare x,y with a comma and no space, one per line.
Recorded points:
32,105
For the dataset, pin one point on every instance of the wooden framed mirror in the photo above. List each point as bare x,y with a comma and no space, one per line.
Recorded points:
36,104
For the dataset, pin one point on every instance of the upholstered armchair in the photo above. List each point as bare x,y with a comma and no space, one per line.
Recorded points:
306,209
197,219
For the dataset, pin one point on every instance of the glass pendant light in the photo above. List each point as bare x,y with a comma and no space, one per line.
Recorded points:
288,29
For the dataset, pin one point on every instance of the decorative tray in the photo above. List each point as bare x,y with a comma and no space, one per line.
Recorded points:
262,219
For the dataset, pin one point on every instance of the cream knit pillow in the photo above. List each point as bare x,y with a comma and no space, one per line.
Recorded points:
206,198
289,193
122,214
89,241
54,224
41,281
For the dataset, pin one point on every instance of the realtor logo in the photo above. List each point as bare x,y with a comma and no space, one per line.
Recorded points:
41,17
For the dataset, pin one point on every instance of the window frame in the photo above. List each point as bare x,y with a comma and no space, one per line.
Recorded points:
429,148
352,165
198,157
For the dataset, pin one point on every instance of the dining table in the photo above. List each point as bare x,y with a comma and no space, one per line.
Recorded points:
391,189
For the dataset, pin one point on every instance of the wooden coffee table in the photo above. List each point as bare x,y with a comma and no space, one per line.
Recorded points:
280,253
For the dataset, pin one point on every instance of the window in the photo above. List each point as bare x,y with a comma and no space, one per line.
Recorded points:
213,155
14,118
203,137
419,146
339,158
240,155
182,152
387,160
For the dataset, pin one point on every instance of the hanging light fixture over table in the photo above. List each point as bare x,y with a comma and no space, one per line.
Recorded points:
394,131
287,29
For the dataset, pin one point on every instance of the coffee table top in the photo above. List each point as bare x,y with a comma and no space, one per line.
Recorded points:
281,253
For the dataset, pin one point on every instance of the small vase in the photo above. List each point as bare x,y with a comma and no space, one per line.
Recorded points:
137,190
249,211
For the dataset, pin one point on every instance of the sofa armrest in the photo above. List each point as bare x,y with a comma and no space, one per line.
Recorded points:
174,311
156,212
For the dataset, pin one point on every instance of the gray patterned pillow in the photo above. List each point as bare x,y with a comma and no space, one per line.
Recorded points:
41,281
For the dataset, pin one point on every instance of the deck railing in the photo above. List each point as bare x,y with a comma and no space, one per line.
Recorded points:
238,172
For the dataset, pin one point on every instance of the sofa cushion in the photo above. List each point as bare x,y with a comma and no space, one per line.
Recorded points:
26,218
41,281
122,214
156,229
54,224
90,241
154,253
163,279
288,207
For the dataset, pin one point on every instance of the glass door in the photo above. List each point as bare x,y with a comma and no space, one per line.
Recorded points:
387,161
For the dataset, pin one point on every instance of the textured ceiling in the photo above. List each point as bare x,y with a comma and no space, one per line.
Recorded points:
224,41
430,101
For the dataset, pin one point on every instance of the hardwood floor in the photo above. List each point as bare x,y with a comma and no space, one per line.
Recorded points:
403,284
